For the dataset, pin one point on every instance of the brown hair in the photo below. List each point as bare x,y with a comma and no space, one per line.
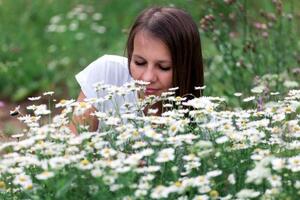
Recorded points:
179,32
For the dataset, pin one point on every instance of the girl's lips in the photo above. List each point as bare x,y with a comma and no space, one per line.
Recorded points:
150,91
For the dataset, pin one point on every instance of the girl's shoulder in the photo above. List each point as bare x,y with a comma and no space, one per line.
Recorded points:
112,61
108,69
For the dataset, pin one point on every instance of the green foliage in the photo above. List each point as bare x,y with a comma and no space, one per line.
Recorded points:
34,59
251,39
195,149
43,44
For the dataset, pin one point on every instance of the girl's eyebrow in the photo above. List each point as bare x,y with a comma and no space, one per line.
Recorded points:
138,56
158,61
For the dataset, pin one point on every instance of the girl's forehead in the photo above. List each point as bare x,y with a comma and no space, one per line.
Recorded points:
150,48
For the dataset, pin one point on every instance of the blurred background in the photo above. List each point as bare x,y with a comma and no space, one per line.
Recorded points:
249,47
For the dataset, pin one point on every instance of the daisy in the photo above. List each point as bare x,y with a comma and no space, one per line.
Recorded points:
293,163
248,99
50,93
247,194
165,155
15,112
45,175
34,98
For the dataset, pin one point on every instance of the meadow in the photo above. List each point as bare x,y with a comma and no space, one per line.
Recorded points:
239,141
43,44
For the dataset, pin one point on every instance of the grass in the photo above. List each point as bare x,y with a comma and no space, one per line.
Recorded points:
34,60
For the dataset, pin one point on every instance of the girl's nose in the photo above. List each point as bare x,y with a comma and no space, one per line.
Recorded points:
149,75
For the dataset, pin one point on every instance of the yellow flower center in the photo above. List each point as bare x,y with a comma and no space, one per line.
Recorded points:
2,185
177,183
135,133
85,162
29,187
214,194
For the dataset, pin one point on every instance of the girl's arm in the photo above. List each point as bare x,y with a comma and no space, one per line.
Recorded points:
85,119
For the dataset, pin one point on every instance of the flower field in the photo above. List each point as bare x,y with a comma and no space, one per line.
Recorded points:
197,149
239,141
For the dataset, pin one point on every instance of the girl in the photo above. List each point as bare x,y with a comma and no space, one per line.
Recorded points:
163,48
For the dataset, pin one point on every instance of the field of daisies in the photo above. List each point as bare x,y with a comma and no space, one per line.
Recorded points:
197,149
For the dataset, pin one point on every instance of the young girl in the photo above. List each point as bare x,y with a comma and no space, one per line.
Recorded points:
163,48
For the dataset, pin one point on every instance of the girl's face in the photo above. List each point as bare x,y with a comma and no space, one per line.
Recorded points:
151,61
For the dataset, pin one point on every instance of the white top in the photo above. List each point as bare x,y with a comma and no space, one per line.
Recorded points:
110,70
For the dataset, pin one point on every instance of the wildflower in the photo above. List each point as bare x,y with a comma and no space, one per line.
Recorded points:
139,144
108,152
274,93
222,139
100,115
237,94
41,110
2,186
165,155
200,87
275,181
34,98
64,103
297,185
58,162
96,172
201,197
29,119
247,194
55,19
149,132
147,152
45,175
97,16
173,89
18,135
15,112
257,174
133,159
93,189
291,84
249,99
174,169
199,103
60,120
294,163
24,181
258,89
176,127
214,173
50,93
113,121
231,179
142,83
15,170
190,157
160,192
152,111
214,194
85,165
81,108
98,29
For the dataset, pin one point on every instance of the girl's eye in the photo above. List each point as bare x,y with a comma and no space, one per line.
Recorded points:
165,68
139,63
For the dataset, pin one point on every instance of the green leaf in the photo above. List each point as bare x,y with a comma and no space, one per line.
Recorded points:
20,94
65,187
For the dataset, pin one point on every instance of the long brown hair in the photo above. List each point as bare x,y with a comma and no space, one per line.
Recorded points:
179,32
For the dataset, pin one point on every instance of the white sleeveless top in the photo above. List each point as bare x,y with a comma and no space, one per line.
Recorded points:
110,70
